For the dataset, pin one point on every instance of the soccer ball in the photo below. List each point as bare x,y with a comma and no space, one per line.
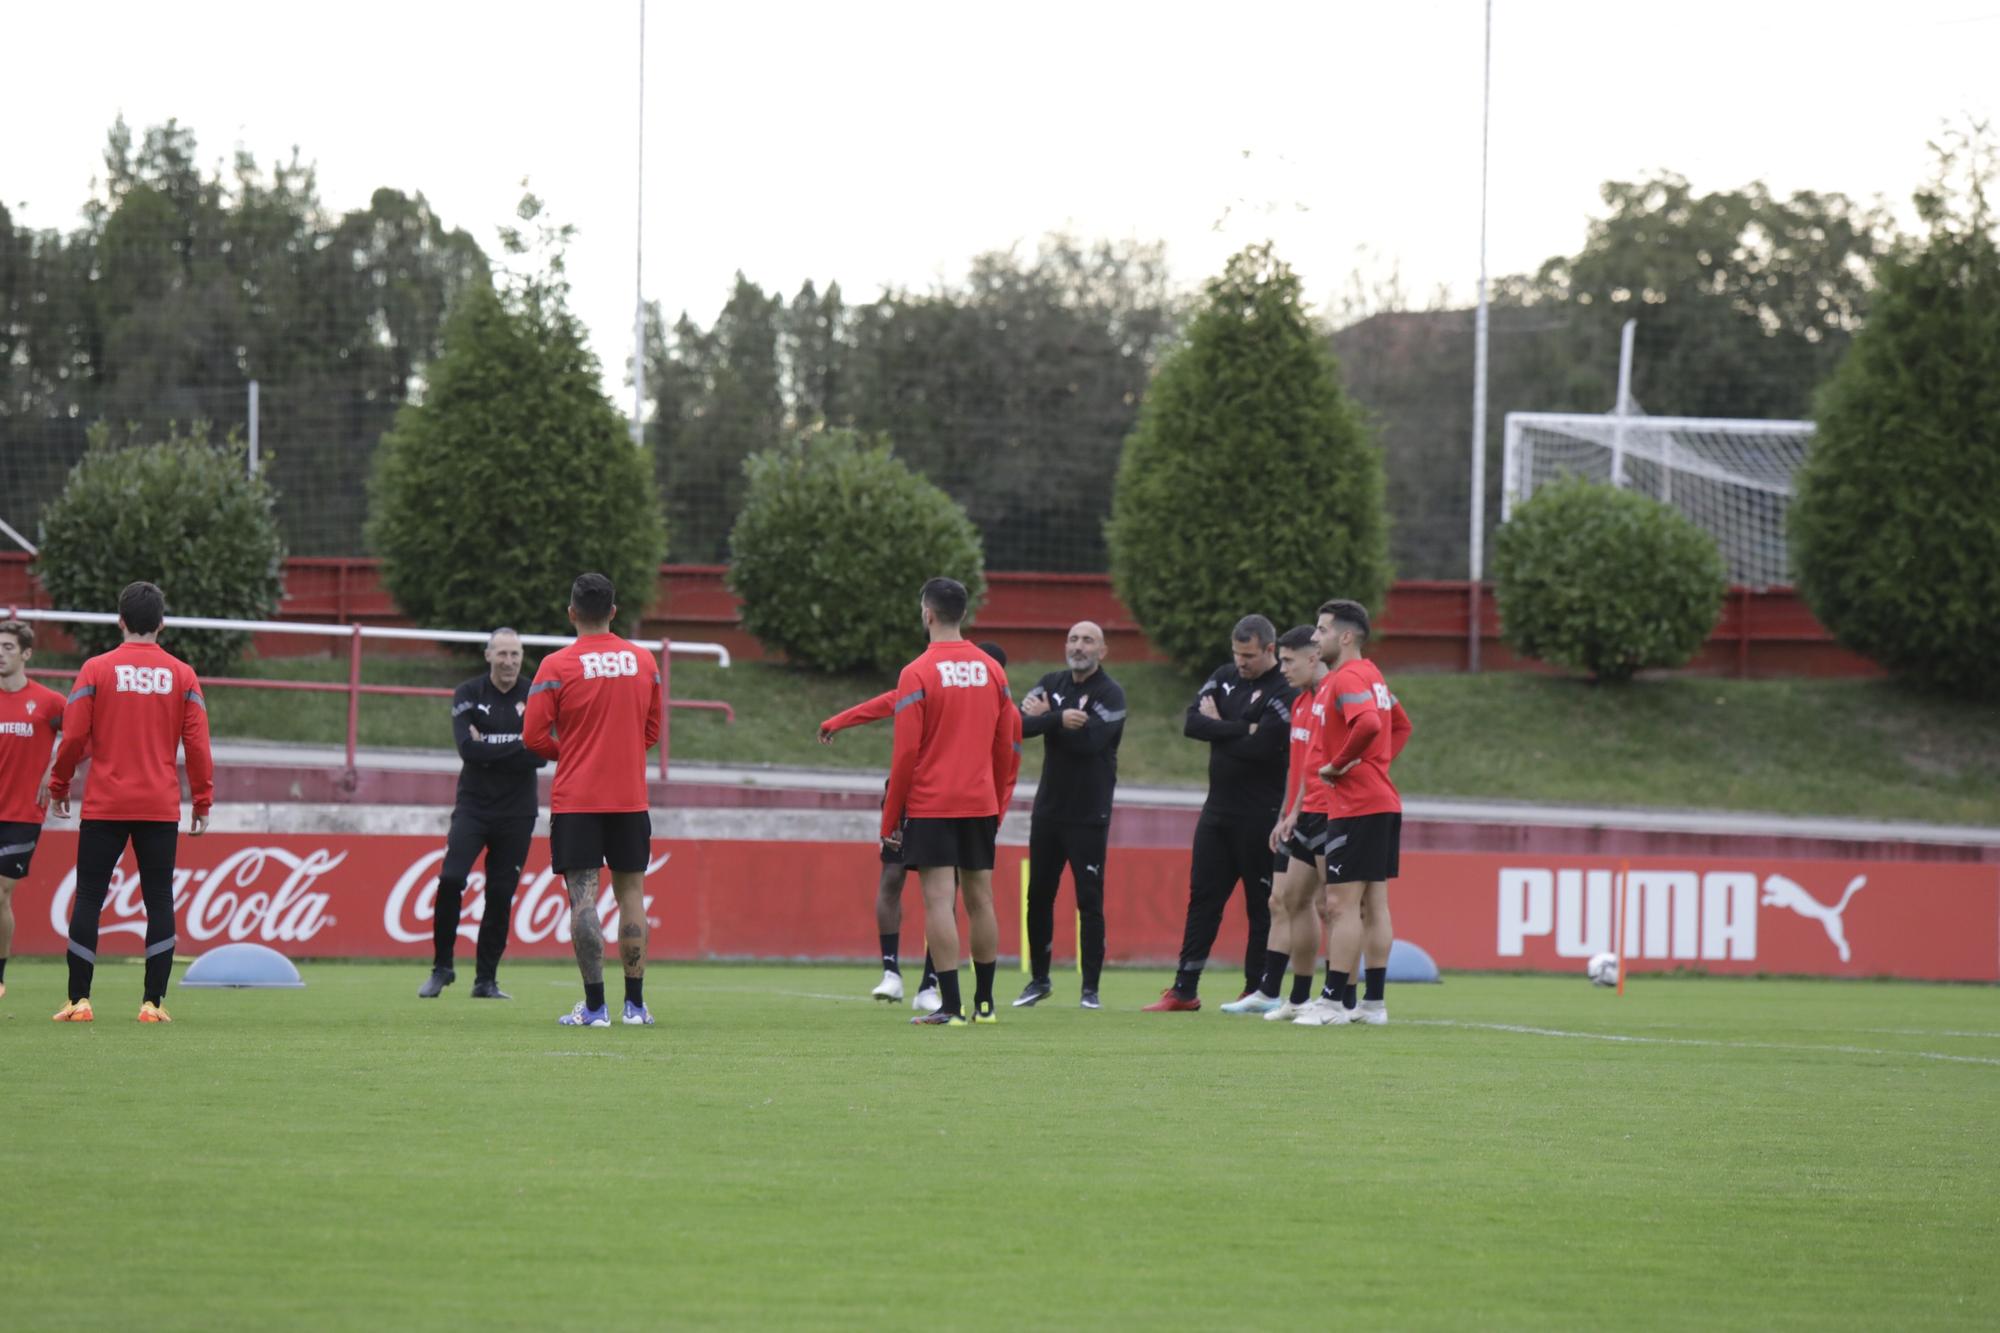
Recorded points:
1603,970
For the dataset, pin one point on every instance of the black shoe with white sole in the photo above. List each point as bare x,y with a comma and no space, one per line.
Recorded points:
486,988
434,985
1033,993
1089,1000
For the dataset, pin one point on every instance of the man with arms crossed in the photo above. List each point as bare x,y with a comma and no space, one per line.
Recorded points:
958,751
1244,714
1360,738
1080,716
1299,838
30,721
889,886
132,708
495,814
595,709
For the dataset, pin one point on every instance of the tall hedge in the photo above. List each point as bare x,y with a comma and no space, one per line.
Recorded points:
513,475
1896,526
1251,482
181,512
835,539
1606,581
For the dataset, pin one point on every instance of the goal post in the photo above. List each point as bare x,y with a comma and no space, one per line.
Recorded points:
1733,478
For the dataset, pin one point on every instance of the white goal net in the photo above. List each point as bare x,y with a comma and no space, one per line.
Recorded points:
1733,478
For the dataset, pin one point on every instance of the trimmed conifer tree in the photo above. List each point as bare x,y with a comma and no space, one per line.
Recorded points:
1251,482
1896,526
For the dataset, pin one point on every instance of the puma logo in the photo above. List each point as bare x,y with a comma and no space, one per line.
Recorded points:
1090,869
1782,892
1227,689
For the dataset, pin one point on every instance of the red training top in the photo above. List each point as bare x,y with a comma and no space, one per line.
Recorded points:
595,709
958,738
132,708
1361,727
30,720
872,710
1308,720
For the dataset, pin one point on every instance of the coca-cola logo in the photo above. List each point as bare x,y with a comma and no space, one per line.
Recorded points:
235,900
541,904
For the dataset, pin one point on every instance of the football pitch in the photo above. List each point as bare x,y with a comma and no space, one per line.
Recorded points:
1512,1152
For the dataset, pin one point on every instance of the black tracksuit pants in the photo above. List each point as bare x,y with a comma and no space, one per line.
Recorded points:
1227,852
100,844
505,843
1052,845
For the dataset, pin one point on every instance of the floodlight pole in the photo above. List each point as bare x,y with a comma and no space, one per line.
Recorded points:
639,257
251,410
1479,335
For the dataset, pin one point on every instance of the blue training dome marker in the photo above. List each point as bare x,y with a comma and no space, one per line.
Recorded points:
243,966
1409,963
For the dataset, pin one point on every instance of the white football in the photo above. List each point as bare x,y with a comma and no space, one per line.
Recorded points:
1603,969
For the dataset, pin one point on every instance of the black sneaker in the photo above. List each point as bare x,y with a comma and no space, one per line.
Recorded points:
940,1019
1090,1001
1033,993
486,988
440,977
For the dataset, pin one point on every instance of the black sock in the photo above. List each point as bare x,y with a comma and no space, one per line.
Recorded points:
1038,965
930,973
1275,964
635,991
1336,986
1347,996
1187,984
982,981
593,995
948,994
890,961
3,969
1376,978
1302,987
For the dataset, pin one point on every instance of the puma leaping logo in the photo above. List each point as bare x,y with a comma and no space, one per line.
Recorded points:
1782,892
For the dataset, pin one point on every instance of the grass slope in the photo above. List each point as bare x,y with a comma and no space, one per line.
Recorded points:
782,1153
1864,748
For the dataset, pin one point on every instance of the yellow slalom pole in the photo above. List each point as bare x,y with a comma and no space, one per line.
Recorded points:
1024,916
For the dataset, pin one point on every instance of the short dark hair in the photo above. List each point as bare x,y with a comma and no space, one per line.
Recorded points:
23,632
946,598
1344,612
592,598
1297,637
994,651
1254,627
142,607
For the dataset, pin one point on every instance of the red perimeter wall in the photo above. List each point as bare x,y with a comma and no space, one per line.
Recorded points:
1423,627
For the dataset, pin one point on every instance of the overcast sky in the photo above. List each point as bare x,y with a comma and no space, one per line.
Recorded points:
886,143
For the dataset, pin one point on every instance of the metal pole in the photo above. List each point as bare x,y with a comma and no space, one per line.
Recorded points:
1477,561
639,258
253,429
1624,408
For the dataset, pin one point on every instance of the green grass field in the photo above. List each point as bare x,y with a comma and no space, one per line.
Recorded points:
780,1152
1863,748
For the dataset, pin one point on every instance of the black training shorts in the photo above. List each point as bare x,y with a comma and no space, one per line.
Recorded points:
1364,849
966,844
17,849
621,840
1308,840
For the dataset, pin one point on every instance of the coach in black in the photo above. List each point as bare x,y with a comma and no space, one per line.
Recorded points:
495,814
1080,716
1243,713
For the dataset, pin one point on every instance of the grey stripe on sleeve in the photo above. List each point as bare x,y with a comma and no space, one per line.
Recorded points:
544,685
194,697
1359,698
83,692
914,696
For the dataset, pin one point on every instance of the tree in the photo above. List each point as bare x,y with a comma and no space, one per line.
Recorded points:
1896,523
836,536
1599,579
1250,483
515,474
180,512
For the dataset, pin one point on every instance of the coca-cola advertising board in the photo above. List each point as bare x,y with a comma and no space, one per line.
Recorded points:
349,896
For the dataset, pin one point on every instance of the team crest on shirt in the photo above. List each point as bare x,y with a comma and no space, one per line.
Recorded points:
1255,697
31,708
521,707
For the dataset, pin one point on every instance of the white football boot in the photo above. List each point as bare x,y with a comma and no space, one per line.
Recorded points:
1324,1013
891,989
1284,1013
1373,1013
927,1001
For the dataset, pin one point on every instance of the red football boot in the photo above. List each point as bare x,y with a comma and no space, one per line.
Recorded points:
1171,1002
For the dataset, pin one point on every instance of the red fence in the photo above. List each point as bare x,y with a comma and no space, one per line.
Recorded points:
347,895
1423,627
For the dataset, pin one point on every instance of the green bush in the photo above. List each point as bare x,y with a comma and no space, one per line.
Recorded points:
1250,483
836,537
1593,578
512,476
182,513
1896,527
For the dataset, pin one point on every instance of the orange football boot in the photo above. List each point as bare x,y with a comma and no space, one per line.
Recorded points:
76,1011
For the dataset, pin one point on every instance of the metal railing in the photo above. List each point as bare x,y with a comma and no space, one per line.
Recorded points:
354,688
